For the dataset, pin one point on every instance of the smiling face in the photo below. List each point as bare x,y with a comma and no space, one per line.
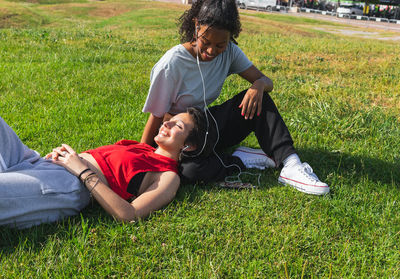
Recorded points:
173,133
210,42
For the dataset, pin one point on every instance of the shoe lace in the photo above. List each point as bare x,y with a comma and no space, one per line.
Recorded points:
309,171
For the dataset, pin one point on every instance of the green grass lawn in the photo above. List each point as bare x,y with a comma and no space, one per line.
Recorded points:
77,72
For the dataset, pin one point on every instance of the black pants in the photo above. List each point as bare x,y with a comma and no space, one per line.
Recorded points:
270,129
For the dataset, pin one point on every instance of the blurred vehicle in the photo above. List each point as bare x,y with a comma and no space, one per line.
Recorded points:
267,5
330,6
350,9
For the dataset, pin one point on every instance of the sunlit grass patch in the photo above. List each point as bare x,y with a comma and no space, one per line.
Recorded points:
265,25
12,15
292,20
144,18
99,9
44,2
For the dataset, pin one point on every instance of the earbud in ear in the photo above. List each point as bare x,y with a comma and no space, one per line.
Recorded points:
196,30
186,147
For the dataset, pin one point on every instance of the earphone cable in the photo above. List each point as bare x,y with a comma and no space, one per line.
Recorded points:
236,178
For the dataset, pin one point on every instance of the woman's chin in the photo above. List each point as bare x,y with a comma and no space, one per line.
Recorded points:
157,140
161,142
206,58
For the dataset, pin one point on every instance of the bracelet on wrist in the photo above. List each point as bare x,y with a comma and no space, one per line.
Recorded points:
88,179
94,186
82,172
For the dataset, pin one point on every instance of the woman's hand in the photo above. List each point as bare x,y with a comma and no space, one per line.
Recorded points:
67,157
252,100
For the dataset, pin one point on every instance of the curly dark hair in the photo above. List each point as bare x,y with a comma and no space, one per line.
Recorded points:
222,14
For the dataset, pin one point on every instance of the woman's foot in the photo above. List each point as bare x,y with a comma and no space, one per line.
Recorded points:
302,177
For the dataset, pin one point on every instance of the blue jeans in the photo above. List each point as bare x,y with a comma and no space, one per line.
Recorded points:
34,190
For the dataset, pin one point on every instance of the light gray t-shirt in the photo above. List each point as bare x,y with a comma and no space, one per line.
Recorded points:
175,82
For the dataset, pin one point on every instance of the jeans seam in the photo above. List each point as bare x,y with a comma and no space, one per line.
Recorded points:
3,164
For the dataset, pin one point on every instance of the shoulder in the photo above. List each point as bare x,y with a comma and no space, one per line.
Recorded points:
166,182
232,54
235,49
175,56
170,176
167,178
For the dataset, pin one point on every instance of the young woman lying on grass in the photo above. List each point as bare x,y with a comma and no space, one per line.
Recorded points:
128,179
208,31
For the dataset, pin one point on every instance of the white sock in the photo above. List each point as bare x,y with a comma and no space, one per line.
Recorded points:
291,160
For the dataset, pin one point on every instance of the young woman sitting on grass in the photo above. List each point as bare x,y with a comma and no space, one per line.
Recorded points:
128,179
208,31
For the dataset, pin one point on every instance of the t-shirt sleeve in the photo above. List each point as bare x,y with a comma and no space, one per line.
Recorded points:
162,91
240,62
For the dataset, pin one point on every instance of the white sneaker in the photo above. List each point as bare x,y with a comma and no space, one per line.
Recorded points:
302,177
254,158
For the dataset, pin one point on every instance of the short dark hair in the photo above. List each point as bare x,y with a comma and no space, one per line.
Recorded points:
202,134
222,14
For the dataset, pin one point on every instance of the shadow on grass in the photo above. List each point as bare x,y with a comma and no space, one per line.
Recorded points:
330,167
334,168
35,238
352,169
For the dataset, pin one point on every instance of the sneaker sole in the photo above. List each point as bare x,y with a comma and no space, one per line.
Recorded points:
305,188
249,150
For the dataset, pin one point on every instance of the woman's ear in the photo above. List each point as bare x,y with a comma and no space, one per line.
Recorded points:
189,148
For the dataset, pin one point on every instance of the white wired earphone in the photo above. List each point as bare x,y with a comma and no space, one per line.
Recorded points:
228,179
186,147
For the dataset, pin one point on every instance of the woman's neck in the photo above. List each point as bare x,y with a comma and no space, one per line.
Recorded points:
190,49
170,154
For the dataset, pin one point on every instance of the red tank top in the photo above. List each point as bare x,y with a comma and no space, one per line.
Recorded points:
121,161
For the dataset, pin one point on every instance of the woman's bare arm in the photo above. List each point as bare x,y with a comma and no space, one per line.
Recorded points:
160,193
254,75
